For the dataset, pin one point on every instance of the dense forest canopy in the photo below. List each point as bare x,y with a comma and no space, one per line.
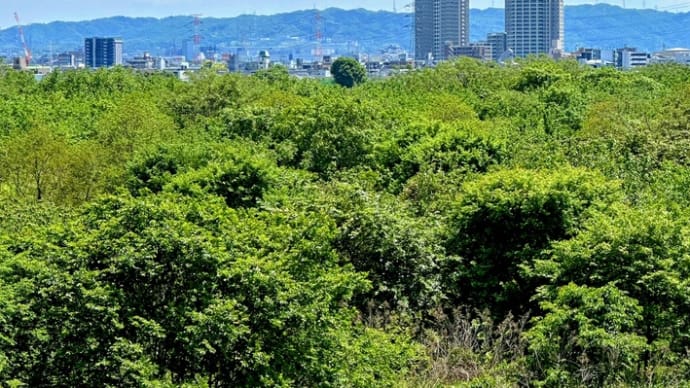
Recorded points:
468,225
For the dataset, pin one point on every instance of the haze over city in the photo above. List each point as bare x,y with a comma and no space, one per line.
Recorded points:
40,11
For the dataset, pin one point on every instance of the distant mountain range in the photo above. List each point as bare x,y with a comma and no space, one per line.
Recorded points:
603,26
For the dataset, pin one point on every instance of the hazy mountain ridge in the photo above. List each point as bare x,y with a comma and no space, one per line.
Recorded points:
602,25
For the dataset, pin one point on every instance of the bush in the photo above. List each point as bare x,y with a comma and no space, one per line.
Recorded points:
586,338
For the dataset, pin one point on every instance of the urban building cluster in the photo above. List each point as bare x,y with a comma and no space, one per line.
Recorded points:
105,52
532,27
441,32
627,58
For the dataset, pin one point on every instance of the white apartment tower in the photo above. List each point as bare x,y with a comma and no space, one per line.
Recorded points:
534,26
440,24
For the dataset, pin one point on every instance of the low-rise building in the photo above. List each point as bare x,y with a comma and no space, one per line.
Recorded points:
629,58
583,54
498,42
480,50
673,55
66,61
144,62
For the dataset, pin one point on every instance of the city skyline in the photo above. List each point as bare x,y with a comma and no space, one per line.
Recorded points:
38,11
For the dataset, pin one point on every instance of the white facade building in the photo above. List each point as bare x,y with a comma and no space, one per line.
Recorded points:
633,59
629,58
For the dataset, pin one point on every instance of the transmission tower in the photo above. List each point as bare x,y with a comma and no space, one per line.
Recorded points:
196,35
197,29
318,34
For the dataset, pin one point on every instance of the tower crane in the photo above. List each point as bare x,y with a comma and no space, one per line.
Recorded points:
27,52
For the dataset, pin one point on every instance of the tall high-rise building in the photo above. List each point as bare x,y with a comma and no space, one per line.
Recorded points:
534,26
440,24
102,52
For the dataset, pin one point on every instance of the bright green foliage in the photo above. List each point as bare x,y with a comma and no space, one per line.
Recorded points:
459,147
524,112
32,162
503,221
670,75
385,358
586,338
336,134
378,236
154,170
645,253
275,75
323,134
674,127
267,230
42,165
348,72
564,107
15,82
131,125
241,181
541,74
164,286
455,149
209,96
667,188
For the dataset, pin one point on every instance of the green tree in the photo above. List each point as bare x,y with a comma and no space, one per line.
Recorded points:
400,253
132,124
503,221
205,98
348,72
34,162
240,173
164,288
642,251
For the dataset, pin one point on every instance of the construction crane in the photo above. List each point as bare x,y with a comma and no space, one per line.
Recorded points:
27,52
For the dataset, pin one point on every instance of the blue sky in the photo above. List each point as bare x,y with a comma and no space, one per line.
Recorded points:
41,11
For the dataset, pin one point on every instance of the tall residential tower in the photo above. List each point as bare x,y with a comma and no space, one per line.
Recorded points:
439,24
534,26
